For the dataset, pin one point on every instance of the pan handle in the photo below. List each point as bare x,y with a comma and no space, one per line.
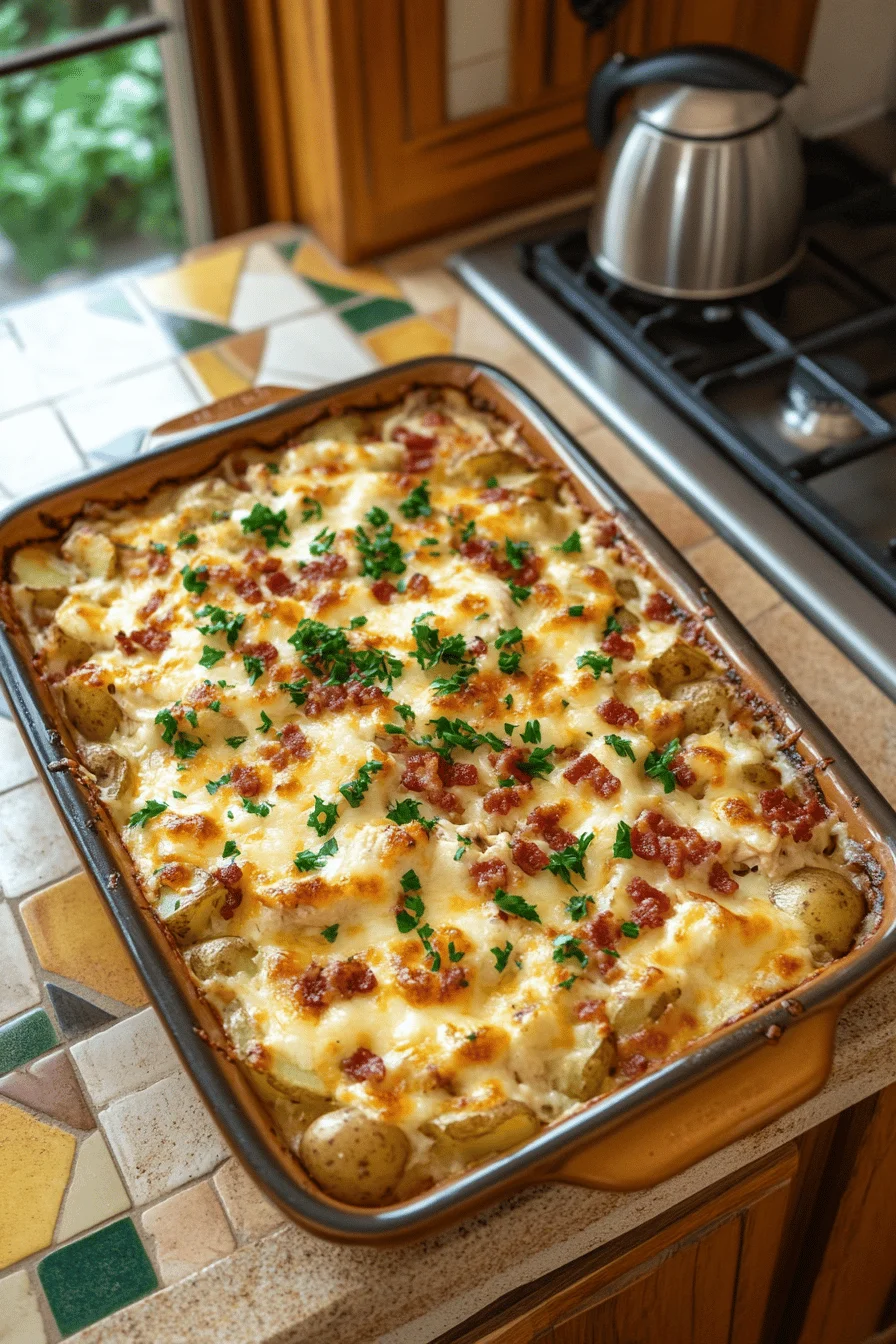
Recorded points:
725,1106
226,408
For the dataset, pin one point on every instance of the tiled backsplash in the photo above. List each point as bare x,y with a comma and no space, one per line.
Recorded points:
114,1181
477,55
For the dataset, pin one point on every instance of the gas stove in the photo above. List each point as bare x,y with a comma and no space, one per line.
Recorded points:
773,415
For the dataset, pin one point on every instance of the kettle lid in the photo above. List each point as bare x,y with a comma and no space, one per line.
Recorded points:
704,114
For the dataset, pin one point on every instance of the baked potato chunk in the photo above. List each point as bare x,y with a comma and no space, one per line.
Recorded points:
217,957
187,913
583,1078
91,552
109,768
37,567
353,1156
703,704
827,903
679,665
478,1134
90,707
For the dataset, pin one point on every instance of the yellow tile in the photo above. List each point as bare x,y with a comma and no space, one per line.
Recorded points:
73,935
446,320
409,339
35,1160
315,264
203,288
217,375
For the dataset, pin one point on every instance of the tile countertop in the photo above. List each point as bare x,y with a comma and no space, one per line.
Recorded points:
117,1195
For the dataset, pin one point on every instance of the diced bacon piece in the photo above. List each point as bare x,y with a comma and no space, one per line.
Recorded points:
684,775
351,977
502,801
419,449
602,780
263,650
654,837
125,643
201,696
721,881
229,877
634,1065
151,606
279,583
418,585
495,494
153,639
158,562
618,714
477,647
544,822
247,588
478,550
246,780
294,741
529,856
327,567
605,532
231,903
319,699
618,646
489,874
659,607
423,774
603,931
383,591
790,816
364,1066
460,774
651,905
509,762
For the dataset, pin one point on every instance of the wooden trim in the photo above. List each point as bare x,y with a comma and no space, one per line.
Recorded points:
265,48
423,64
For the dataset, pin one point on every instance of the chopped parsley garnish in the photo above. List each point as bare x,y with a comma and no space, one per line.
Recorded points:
658,762
532,731
515,905
185,748
296,690
256,809
254,668
463,844
424,933
235,741
410,881
572,545
417,504
629,929
265,724
611,625
571,859
151,808
322,817
598,662
410,916
159,547
468,530
380,554
622,845
456,682
508,702
377,517
432,648
193,580
577,610
322,542
501,956
577,906
353,792
307,861
459,733
311,510
326,651
230,850
187,539
508,662
516,552
169,725
453,954
621,745
221,622
538,765
213,785
176,794
210,656
519,595
268,524
330,932
405,712
407,810
569,948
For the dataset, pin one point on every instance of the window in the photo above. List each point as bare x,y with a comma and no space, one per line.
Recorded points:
97,135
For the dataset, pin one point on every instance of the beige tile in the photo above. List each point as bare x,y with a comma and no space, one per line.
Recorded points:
128,1056
251,1213
483,336
34,849
20,1320
857,713
675,519
95,1191
736,582
189,1231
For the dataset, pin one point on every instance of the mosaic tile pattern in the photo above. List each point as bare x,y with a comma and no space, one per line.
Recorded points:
114,1181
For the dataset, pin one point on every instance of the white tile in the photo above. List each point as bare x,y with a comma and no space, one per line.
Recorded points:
18,382
71,342
95,1191
34,849
477,87
189,1231
309,351
268,290
133,404
132,1054
34,450
251,1213
18,987
476,29
162,1137
16,766
20,1319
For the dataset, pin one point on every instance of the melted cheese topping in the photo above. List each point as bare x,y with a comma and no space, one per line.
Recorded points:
423,936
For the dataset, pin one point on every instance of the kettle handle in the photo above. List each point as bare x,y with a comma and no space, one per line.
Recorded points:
704,64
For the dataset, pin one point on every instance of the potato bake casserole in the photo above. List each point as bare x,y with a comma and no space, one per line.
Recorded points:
458,820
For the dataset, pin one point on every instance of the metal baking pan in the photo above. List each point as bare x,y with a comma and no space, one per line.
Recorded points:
735,1081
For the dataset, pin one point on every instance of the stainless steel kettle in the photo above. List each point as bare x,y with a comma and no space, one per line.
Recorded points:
702,186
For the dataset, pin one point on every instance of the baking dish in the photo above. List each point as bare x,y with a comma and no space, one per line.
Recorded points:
721,1089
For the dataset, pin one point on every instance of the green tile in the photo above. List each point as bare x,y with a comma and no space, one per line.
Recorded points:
331,294
97,1275
375,313
191,332
288,250
25,1038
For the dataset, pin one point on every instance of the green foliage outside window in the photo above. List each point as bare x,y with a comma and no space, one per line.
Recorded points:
85,150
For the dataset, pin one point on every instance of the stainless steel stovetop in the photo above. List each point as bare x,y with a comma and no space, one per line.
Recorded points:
774,417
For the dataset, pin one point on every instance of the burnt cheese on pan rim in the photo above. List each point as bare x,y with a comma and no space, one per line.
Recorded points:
457,824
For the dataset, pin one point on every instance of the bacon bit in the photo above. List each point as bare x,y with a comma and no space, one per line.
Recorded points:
419,449
543,821
603,931
459,775
651,905
418,585
255,557
660,607
246,780
321,698
265,651
634,1066
684,775
721,881
246,588
158,562
618,646
311,987
383,591
591,1010
478,550
423,774
232,902
477,648
529,856
364,1066
603,781
153,639
127,644
433,418
327,567
503,801
791,816
489,874
201,696
176,875
655,837
229,877
495,494
605,532
351,977
279,583
151,607
620,715
508,764
294,741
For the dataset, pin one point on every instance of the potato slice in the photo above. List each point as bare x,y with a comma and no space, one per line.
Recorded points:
109,768
92,552
90,708
583,1077
221,957
61,650
187,913
636,1012
480,1133
827,903
199,501
39,567
679,665
480,465
354,1157
703,704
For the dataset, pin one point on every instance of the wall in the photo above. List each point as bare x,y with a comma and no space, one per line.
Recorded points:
850,73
